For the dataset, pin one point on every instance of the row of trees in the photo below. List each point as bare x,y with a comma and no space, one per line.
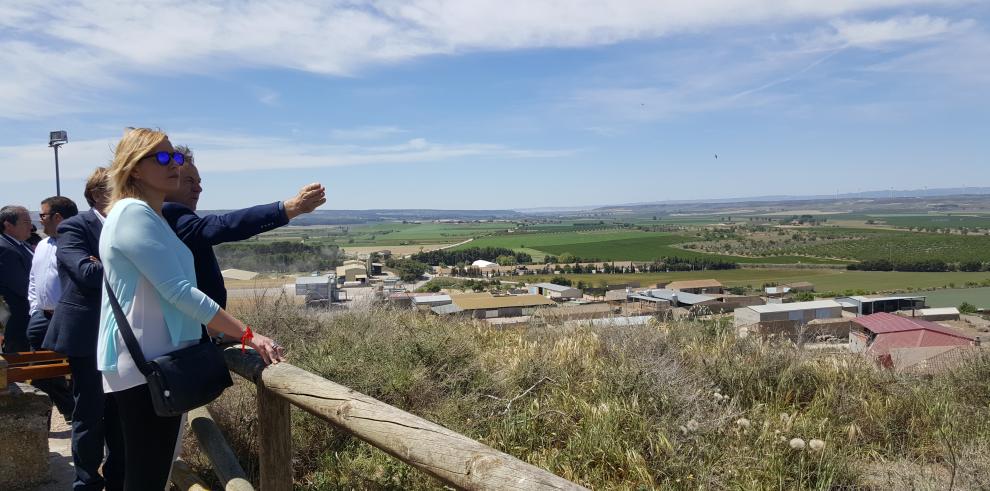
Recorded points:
409,270
277,257
500,255
921,265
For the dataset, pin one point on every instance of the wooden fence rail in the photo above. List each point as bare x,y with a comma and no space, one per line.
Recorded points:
455,459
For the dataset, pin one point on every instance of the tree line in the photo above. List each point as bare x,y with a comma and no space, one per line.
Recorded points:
500,255
278,257
918,265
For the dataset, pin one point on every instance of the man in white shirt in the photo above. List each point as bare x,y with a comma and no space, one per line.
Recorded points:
44,291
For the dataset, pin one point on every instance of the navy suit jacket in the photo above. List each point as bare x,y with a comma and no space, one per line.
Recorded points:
200,234
75,326
15,268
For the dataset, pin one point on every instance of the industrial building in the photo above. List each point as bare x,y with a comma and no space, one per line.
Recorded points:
796,313
486,307
555,292
699,287
872,304
317,288
353,273
238,274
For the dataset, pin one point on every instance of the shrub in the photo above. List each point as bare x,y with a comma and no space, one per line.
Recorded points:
636,407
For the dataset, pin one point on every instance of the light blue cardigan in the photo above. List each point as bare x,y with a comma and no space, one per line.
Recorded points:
136,242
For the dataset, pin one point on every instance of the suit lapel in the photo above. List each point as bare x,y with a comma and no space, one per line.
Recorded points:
20,249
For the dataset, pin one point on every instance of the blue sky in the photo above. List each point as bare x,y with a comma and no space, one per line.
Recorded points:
508,104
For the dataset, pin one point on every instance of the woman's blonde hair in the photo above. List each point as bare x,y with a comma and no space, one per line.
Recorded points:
135,145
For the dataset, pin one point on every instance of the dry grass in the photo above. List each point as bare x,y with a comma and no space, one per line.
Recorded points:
676,405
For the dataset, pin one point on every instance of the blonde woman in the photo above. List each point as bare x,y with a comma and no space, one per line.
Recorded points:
152,274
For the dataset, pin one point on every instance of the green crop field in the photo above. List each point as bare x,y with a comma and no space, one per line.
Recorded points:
934,221
622,245
835,280
979,297
902,246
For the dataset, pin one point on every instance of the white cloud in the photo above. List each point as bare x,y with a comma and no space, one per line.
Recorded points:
93,45
365,133
847,33
238,153
782,70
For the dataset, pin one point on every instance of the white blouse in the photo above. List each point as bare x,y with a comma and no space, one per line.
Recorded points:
148,324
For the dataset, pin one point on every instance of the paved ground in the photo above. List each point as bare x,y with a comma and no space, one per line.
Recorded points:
60,470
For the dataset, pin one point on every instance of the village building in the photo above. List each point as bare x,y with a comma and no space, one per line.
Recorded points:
555,292
315,288
797,321
933,314
699,287
872,304
238,274
889,339
352,273
425,302
795,313
678,298
490,306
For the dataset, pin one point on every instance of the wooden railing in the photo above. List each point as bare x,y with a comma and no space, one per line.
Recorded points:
31,365
454,459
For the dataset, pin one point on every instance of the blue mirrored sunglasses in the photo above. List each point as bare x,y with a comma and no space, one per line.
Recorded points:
163,158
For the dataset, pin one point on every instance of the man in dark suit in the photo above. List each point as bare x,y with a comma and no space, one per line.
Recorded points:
73,332
15,267
200,234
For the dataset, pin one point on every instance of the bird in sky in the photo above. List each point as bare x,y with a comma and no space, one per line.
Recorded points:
716,156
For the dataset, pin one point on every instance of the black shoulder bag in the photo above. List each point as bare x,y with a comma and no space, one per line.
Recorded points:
181,380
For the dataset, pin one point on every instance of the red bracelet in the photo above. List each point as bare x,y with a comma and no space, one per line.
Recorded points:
248,336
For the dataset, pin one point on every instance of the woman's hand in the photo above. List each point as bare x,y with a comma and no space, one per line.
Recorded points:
269,350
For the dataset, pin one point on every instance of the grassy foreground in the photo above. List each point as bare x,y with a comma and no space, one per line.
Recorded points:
684,406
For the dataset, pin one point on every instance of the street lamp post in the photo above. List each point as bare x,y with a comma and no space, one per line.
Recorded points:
57,139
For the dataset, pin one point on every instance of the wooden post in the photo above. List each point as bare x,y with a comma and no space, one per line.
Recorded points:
455,459
3,376
214,445
184,479
275,441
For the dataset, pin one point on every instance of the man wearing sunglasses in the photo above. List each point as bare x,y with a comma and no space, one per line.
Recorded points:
200,234
44,292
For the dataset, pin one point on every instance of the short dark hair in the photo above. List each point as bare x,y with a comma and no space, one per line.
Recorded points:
97,187
61,205
10,213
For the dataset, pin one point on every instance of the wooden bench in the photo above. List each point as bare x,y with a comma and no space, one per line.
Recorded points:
31,365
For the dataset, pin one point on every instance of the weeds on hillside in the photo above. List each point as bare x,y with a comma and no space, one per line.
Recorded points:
684,404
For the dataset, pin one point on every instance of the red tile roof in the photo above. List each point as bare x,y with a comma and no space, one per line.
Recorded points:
894,331
884,323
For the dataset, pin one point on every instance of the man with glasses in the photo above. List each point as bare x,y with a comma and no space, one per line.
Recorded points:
15,266
44,292
200,234
74,328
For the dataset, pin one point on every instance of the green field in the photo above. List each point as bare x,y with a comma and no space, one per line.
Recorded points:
934,221
896,246
621,245
835,280
979,297
388,234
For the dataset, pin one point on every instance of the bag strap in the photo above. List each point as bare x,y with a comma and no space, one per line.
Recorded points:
125,332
